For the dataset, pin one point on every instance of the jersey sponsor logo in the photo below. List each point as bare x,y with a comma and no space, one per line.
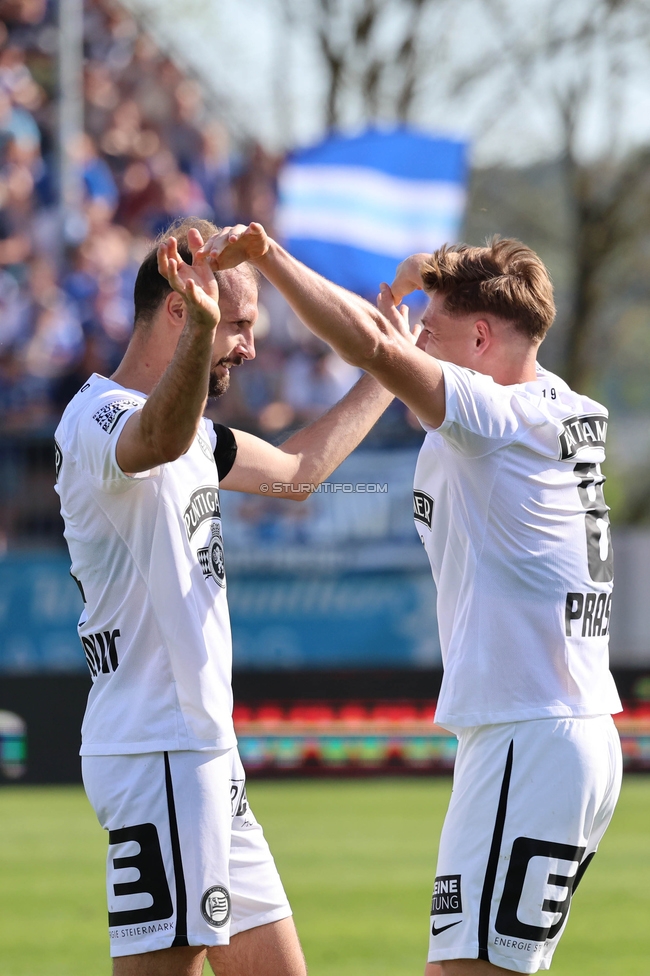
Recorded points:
545,890
215,906
446,898
211,559
101,651
588,430
203,506
592,610
422,507
58,458
108,415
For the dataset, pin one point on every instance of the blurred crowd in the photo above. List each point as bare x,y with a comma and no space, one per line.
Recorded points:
152,150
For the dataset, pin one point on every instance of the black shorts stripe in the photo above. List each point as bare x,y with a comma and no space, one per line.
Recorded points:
180,939
493,861
581,871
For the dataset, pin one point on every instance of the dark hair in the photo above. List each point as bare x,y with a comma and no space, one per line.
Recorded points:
151,289
505,278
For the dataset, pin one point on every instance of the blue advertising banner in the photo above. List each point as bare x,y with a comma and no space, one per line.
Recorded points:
39,609
356,620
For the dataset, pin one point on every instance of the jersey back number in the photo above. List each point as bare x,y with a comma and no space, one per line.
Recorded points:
600,557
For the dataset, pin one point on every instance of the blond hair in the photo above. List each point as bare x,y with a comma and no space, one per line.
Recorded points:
504,278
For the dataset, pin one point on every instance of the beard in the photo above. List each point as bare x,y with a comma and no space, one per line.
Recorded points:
219,383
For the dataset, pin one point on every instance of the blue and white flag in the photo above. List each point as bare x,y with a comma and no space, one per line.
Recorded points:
353,207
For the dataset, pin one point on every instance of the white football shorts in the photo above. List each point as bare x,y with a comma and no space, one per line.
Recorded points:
187,861
530,803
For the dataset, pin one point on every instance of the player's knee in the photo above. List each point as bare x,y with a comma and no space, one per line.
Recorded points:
432,969
266,950
177,961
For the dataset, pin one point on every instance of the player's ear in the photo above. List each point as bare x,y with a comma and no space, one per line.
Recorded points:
175,308
482,335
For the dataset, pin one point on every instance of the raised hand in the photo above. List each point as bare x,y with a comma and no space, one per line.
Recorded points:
234,245
408,277
398,317
195,282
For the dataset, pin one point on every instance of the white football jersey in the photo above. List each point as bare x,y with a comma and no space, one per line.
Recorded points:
508,502
147,553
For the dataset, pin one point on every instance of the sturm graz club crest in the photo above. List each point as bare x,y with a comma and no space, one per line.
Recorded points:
215,906
211,558
204,507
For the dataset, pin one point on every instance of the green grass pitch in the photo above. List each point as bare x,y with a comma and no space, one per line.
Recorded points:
357,859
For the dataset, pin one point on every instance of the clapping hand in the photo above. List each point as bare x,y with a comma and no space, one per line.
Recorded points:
195,282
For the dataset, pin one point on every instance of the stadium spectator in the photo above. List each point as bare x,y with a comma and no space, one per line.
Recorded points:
211,168
151,152
314,380
98,180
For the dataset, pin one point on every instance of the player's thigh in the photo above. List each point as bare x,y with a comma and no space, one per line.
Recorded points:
531,801
463,967
169,820
267,950
180,961
258,897
263,939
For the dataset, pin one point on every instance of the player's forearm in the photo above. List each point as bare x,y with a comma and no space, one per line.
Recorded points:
171,415
324,444
309,456
349,324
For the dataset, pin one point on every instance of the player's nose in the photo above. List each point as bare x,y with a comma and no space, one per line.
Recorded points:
246,344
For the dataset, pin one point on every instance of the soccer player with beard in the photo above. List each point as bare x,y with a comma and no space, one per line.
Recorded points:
139,469
509,505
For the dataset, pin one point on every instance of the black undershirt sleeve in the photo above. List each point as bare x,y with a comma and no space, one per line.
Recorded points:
226,450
